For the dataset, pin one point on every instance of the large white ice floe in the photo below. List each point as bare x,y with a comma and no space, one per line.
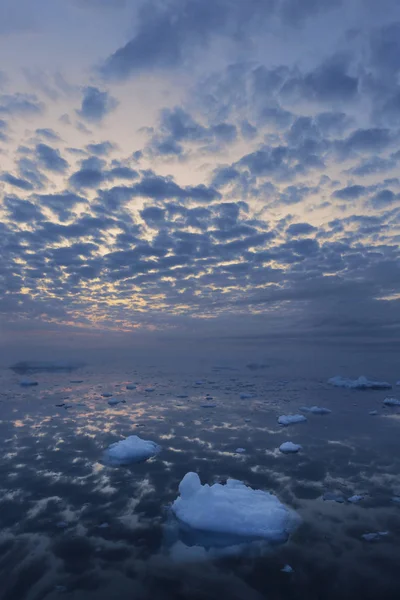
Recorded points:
391,402
233,511
291,419
362,383
289,448
130,450
316,410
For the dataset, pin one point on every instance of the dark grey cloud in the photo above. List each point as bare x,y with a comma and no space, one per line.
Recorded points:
61,204
365,141
351,192
20,105
384,198
50,158
48,134
96,104
299,229
17,182
168,33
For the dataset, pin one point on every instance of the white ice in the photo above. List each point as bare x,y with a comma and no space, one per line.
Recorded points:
240,450
233,510
132,449
362,383
316,410
391,402
287,569
356,498
374,537
289,448
291,419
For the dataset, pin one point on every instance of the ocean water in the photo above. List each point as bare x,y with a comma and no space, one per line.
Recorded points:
72,526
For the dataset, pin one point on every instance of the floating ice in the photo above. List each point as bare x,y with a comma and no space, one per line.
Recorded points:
287,569
291,419
31,366
132,449
28,383
374,537
373,413
149,389
246,396
391,402
289,448
233,511
106,395
182,396
240,450
131,386
209,405
316,410
362,383
356,498
113,401
333,497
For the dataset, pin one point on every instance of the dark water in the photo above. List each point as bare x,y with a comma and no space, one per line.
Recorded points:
55,494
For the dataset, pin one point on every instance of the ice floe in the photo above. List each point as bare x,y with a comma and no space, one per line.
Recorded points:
391,402
316,410
289,448
233,511
132,449
31,366
240,450
28,383
362,383
291,419
356,498
374,537
287,569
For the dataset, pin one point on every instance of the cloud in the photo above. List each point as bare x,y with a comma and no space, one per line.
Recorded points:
101,148
384,198
96,105
299,229
20,105
48,134
351,192
22,184
50,159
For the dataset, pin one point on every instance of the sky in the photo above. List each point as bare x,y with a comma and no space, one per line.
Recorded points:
199,168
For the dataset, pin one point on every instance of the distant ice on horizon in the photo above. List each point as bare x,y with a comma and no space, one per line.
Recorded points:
362,383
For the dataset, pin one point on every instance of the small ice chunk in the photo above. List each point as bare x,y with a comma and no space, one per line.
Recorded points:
289,448
62,524
106,395
356,498
113,401
247,420
76,381
373,413
233,510
362,383
374,537
209,405
291,419
333,497
182,396
28,383
131,386
240,450
391,402
246,396
287,569
149,389
132,449
199,383
316,410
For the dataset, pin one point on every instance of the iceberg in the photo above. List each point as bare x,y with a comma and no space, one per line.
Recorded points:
391,402
289,448
291,419
130,450
33,366
232,511
28,383
374,537
316,410
362,383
